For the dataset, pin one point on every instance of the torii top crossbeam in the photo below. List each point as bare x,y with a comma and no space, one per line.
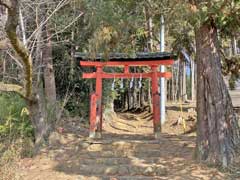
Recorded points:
138,59
152,60
124,60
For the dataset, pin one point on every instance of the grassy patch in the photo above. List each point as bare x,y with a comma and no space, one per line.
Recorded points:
14,120
16,134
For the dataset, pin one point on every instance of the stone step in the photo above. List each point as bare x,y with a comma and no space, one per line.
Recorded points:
126,139
122,147
104,161
121,178
124,153
118,161
118,170
137,139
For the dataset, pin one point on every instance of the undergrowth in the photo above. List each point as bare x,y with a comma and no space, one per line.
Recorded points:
14,120
16,134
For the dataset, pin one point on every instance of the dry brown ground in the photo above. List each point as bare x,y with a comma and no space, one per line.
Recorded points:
128,151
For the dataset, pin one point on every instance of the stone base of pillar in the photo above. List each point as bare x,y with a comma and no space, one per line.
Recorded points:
157,135
95,135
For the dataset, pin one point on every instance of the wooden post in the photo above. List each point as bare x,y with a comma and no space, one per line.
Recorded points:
93,109
156,103
126,69
99,102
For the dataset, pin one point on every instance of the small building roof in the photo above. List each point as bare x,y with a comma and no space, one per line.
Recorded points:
140,56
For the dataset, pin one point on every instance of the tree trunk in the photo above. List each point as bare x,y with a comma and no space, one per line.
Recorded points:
180,80
127,100
184,81
217,124
142,99
38,112
193,80
135,95
177,81
149,96
22,28
38,115
234,45
149,28
173,84
27,92
126,95
72,60
49,77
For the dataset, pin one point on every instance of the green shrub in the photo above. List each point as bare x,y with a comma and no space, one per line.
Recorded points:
232,81
14,119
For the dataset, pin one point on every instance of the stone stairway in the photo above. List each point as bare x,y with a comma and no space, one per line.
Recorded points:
127,151
117,159
120,154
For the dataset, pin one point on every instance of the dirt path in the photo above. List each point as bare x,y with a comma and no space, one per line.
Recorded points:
128,151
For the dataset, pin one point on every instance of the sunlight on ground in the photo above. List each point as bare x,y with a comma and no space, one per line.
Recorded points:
128,151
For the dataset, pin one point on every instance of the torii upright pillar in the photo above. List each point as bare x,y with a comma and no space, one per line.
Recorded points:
156,103
96,107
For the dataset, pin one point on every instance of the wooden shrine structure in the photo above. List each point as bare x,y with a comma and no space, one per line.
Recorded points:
152,60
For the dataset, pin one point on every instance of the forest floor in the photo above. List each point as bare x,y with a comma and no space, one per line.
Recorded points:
127,151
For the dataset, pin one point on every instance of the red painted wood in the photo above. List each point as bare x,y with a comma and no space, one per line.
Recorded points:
127,63
99,98
125,75
126,69
96,98
93,108
156,101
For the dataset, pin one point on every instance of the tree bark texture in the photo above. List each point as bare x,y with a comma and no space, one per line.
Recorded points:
180,80
10,27
30,90
193,96
184,81
49,77
217,124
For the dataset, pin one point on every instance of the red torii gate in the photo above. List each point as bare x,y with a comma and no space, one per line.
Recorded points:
153,60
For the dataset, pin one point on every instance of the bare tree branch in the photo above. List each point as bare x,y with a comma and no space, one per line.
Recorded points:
12,88
10,27
15,59
3,44
16,89
61,4
5,3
